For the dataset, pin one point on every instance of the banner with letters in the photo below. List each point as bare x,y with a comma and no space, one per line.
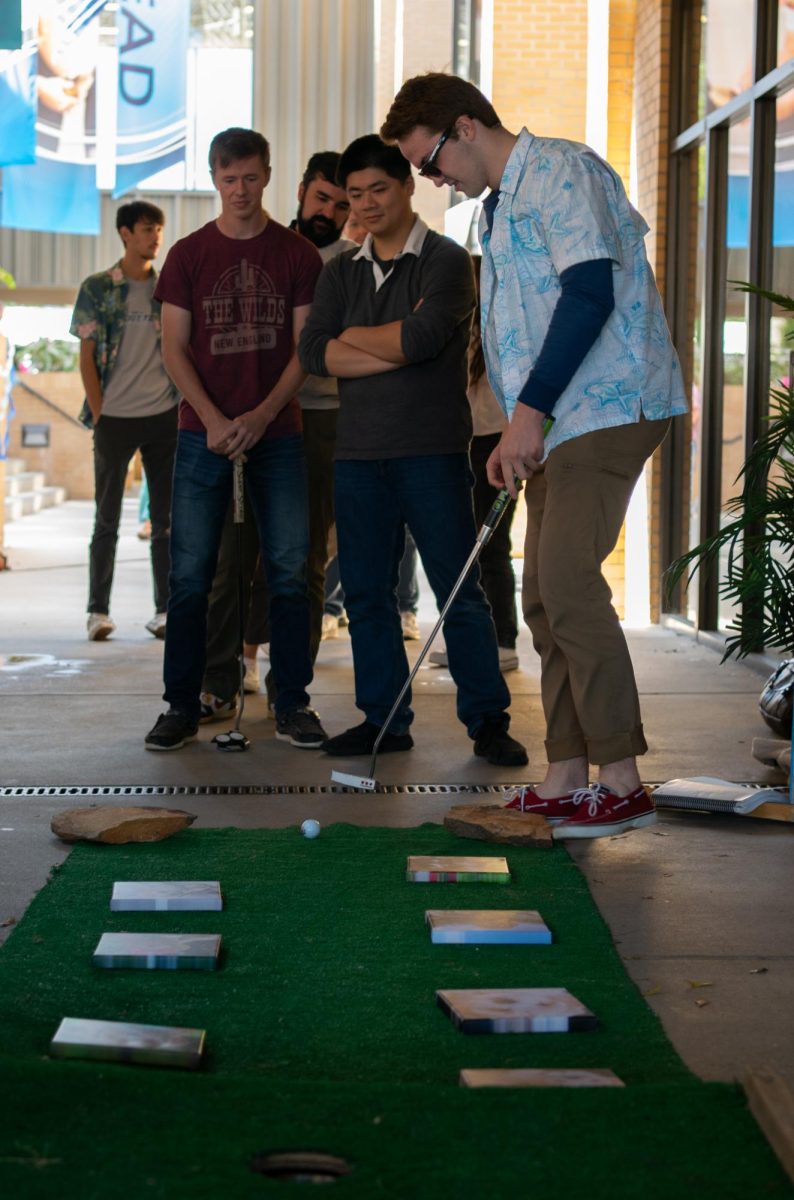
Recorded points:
53,147
151,123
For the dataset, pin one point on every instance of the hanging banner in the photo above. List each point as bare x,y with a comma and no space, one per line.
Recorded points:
18,104
11,25
152,56
58,194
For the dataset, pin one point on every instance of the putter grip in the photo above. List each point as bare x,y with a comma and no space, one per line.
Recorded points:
494,516
238,493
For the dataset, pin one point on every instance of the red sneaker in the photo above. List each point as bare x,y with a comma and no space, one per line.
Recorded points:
599,812
553,808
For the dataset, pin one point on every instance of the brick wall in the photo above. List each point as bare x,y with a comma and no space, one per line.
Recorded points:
540,66
652,123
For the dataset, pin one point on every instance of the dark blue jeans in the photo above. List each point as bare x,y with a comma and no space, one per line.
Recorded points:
431,494
275,477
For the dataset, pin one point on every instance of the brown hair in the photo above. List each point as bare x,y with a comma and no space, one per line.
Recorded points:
234,144
435,100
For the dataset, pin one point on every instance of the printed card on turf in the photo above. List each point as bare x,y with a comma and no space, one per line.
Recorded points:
429,868
515,1010
167,896
118,1041
479,927
538,1077
159,951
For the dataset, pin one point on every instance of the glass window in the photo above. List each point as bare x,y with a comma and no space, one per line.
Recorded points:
695,323
785,31
726,40
734,333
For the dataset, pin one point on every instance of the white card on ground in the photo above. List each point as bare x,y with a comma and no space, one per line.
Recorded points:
445,868
188,895
121,1041
159,951
538,1077
501,926
515,1010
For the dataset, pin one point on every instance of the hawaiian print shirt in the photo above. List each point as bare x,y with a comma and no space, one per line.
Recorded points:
560,204
99,315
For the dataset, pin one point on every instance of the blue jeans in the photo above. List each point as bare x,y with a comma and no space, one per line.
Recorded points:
275,477
431,494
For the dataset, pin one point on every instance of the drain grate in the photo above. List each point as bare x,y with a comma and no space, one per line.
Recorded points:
268,789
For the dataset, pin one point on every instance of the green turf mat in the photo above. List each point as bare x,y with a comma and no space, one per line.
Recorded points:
323,1034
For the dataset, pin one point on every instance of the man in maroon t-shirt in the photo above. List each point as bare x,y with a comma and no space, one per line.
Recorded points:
235,296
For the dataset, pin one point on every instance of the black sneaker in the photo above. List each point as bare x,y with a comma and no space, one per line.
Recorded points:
495,744
172,729
361,740
301,728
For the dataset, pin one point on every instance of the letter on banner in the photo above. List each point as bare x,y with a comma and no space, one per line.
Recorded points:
153,43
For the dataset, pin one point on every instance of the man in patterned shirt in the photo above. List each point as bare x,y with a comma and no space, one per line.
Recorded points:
130,403
579,355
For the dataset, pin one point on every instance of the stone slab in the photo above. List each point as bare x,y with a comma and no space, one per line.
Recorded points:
492,823
115,826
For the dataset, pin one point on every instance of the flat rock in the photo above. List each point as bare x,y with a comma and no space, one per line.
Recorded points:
492,823
114,824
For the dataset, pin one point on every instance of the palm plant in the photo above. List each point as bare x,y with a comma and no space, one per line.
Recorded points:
758,539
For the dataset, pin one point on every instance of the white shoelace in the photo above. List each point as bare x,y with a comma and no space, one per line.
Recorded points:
593,796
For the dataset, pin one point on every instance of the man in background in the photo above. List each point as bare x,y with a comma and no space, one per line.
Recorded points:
131,403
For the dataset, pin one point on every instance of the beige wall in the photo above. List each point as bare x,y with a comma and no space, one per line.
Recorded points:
68,460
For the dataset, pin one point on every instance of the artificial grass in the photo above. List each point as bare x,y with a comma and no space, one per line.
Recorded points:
323,1033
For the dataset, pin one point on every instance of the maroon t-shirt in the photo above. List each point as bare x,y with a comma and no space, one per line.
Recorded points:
240,293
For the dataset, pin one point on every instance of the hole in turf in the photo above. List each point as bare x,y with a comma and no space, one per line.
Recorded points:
300,1166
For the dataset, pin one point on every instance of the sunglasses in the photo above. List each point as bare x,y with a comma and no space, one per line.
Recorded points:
428,169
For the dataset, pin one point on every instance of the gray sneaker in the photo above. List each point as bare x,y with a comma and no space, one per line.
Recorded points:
301,727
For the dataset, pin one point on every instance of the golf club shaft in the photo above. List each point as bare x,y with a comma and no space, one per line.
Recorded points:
238,517
483,537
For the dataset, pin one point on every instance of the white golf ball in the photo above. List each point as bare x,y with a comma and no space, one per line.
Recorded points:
310,829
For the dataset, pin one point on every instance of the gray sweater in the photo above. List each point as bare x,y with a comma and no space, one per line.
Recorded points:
420,408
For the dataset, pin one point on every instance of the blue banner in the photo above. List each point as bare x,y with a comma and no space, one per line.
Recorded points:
18,105
55,197
152,49
10,24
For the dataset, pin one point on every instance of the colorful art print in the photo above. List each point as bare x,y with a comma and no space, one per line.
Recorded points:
167,896
515,1010
497,926
539,1077
120,1041
159,951
425,868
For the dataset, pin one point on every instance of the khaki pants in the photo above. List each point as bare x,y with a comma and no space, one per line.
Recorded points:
575,509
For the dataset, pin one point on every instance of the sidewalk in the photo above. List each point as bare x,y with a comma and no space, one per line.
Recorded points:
695,899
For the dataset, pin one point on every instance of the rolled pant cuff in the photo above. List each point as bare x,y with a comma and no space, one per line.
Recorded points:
598,751
630,744
561,748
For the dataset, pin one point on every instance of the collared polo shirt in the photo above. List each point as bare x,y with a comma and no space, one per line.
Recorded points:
413,245
559,204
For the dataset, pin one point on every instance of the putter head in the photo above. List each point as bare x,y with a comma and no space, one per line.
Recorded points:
360,782
234,741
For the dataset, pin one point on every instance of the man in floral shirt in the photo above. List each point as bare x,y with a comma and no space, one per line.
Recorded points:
130,403
580,358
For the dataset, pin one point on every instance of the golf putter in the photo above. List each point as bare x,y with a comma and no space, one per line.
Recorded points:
367,783
235,740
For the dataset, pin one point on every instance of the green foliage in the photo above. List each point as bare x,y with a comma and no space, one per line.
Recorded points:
47,355
756,544
7,279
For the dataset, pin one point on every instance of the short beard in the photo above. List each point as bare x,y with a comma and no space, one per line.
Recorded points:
326,237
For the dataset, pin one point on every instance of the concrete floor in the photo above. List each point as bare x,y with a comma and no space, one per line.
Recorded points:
696,900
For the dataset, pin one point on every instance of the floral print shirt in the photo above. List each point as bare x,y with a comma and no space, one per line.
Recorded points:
99,315
559,204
